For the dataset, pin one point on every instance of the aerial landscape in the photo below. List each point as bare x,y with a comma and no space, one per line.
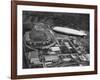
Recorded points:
53,39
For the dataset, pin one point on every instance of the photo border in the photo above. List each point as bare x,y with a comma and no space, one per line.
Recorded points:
14,38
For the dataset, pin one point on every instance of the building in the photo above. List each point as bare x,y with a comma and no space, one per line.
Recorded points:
51,58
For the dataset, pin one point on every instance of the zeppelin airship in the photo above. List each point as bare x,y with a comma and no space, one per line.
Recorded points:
69,31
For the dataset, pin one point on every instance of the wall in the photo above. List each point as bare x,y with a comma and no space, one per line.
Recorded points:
5,36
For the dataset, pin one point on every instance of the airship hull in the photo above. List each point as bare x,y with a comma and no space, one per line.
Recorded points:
69,31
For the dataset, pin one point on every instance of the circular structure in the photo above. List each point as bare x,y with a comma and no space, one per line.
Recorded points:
39,37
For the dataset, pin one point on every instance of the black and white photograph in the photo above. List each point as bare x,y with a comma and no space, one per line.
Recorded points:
53,39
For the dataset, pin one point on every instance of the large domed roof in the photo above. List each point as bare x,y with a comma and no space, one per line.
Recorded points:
40,36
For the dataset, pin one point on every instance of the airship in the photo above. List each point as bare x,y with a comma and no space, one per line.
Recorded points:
69,31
